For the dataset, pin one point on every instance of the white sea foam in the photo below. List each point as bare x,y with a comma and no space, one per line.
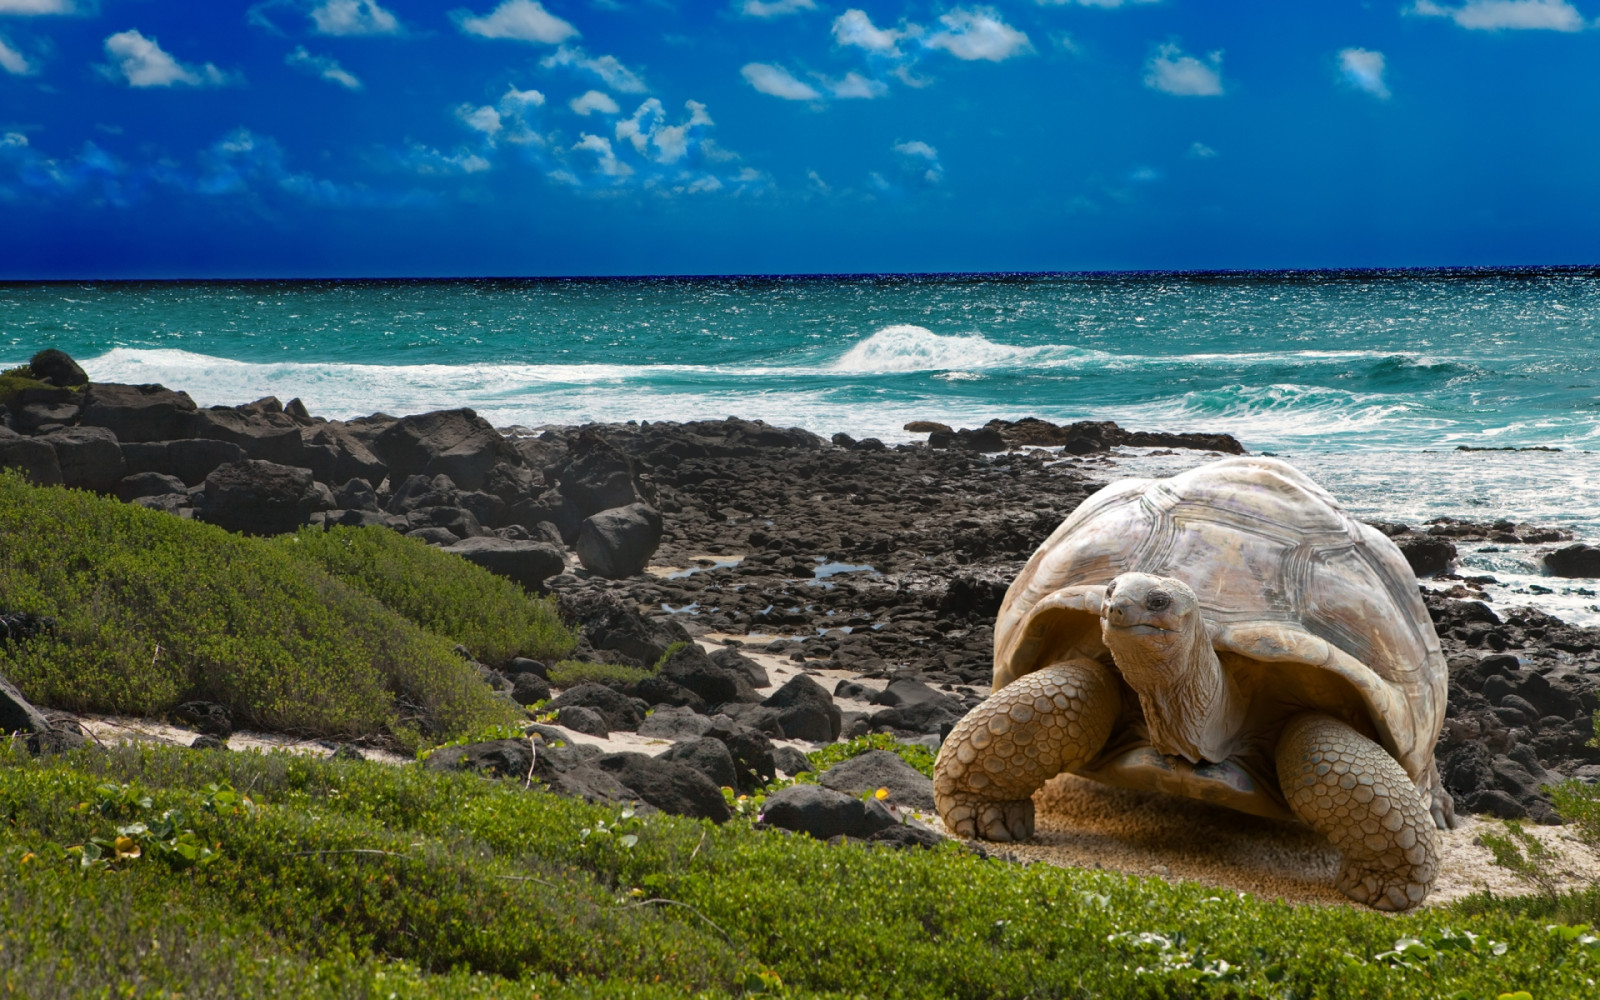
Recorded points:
907,348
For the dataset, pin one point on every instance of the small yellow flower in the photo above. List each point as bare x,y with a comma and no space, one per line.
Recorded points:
881,794
126,847
30,856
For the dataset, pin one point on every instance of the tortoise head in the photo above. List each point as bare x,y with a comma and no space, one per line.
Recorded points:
1152,626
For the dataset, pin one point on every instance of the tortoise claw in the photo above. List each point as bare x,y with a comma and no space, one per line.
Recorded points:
974,818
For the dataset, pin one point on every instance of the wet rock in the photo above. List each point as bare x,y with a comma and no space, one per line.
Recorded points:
138,412
527,563
668,785
824,813
876,769
618,543
1429,555
1578,560
805,710
260,498
708,756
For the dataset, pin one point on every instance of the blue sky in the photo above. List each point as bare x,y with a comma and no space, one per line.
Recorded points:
365,138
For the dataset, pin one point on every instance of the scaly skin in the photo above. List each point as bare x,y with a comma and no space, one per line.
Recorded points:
1351,791
1052,720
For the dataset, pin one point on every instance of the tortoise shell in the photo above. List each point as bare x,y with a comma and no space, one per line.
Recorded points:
1294,592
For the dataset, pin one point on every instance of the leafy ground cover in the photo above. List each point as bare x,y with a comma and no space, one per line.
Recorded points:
327,878
153,610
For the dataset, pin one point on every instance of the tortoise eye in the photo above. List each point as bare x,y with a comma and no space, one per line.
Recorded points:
1157,600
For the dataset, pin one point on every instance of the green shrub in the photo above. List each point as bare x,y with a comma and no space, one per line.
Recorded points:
568,673
447,595
153,610
14,381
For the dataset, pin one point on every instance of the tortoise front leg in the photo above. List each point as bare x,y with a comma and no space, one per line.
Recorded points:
1351,791
1052,720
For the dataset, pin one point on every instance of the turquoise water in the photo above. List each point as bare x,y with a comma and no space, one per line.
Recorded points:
1370,380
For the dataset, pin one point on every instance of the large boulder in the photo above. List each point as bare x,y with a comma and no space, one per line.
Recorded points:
600,476
17,714
139,412
674,722
1428,555
334,455
35,459
495,758
260,498
457,443
876,769
610,624
147,484
270,436
668,785
189,459
89,457
619,543
549,507
806,710
527,563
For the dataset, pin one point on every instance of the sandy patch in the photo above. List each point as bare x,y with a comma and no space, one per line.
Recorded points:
1084,824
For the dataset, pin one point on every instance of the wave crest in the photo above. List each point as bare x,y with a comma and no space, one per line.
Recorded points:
905,347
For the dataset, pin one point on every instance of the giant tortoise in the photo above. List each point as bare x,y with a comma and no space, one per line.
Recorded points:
1228,634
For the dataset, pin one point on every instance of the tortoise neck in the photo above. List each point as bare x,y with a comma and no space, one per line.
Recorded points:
1190,706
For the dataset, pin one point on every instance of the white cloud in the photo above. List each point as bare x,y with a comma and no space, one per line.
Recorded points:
143,63
606,160
650,136
520,20
431,162
353,17
594,101
855,28
854,86
528,97
608,68
31,8
1172,72
1363,69
13,62
484,119
922,160
775,8
15,140
778,82
978,33
1495,15
1200,151
325,67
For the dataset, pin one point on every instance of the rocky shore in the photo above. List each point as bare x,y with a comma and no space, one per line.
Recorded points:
873,572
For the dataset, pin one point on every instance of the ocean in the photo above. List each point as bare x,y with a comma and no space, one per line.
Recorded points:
1372,381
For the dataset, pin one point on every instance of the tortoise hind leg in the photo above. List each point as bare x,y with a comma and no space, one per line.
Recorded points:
1351,791
1052,720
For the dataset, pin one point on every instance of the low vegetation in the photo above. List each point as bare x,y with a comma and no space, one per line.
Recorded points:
329,878
439,591
151,610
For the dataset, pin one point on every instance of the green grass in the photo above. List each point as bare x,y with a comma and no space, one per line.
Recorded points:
356,879
439,591
153,610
